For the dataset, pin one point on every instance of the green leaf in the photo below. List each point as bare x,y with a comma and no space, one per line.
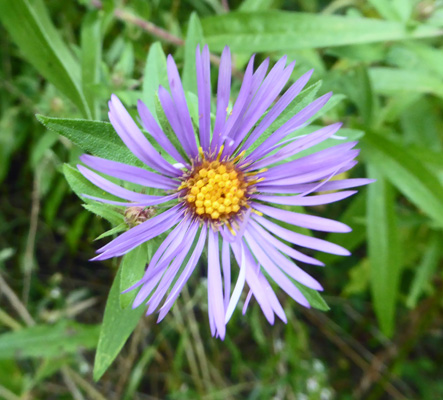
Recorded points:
95,137
416,56
117,325
155,75
194,37
314,298
48,340
80,185
117,229
32,30
357,86
107,212
255,5
425,270
91,47
133,266
394,10
391,80
407,173
281,30
383,249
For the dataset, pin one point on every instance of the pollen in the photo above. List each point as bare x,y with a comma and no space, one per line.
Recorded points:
216,190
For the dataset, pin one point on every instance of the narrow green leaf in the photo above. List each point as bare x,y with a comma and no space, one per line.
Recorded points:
64,337
393,80
255,5
407,173
194,37
117,229
133,266
388,10
282,30
383,249
358,87
107,212
91,47
95,137
155,75
315,299
117,325
425,270
32,30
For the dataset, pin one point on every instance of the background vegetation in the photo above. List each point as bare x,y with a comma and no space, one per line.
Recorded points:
381,338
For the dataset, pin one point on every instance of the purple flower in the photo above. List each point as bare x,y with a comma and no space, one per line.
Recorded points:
219,188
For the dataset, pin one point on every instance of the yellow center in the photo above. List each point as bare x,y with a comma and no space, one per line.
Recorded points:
216,190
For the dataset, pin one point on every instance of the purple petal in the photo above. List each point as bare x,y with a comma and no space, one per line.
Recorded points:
291,269
269,90
204,95
275,273
215,291
303,220
157,133
173,269
135,140
306,201
129,173
238,289
333,185
315,174
184,275
155,272
237,110
171,112
293,124
299,145
113,188
296,255
182,108
279,107
226,263
145,203
140,234
323,158
254,284
302,240
273,300
223,91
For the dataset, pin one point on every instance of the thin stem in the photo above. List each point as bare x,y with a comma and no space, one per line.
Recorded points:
158,32
28,259
15,302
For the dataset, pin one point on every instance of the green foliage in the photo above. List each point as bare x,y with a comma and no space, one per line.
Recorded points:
31,28
95,137
279,30
48,341
118,323
155,69
384,249
383,61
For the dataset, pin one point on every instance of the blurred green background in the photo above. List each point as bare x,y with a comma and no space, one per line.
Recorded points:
381,339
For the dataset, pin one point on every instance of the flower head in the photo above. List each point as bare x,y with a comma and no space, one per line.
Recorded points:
216,189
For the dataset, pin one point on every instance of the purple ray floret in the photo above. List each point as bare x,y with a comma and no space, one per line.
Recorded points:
227,182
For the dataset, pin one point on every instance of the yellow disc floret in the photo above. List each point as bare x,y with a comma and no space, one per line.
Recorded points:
216,190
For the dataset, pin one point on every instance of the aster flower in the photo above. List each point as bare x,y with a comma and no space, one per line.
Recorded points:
217,192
